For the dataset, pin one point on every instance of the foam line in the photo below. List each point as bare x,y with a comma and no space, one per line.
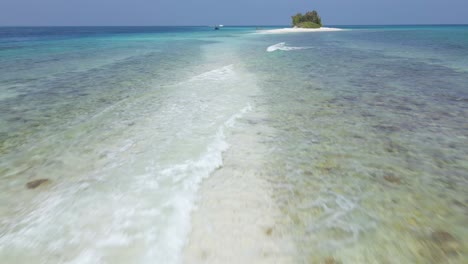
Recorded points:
282,46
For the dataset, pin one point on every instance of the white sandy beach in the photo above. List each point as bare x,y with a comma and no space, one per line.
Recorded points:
298,30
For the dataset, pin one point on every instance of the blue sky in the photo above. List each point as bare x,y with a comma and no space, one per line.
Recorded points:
232,12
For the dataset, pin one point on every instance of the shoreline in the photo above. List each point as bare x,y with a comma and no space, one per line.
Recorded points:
298,30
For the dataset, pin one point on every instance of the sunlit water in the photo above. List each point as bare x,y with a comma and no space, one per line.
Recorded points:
366,152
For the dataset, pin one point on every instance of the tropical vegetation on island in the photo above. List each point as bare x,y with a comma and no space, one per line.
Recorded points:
309,20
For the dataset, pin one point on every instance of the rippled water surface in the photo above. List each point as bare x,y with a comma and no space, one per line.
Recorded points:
362,135
369,160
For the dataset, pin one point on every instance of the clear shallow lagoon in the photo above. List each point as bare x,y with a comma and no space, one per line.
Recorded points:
360,135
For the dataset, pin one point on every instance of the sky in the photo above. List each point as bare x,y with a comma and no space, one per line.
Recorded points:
228,12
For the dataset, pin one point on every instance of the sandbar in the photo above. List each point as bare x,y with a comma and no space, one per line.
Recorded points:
297,30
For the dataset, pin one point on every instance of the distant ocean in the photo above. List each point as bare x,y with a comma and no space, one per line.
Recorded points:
359,139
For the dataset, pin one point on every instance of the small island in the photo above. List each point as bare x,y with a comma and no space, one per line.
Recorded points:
309,20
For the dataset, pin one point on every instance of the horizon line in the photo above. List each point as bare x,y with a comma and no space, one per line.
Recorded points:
419,24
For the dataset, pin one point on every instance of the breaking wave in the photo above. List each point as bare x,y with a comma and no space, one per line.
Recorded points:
282,46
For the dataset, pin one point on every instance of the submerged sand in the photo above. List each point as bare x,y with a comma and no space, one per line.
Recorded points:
298,30
235,221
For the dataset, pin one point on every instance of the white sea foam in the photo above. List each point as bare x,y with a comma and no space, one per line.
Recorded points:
216,75
147,213
282,46
231,121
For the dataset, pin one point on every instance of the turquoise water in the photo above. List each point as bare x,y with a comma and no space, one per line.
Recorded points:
365,153
372,142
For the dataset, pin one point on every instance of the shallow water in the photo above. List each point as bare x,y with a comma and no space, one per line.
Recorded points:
369,160
361,136
124,132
